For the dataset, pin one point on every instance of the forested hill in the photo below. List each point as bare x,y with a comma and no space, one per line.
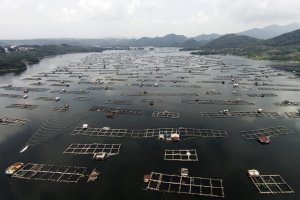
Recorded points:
17,58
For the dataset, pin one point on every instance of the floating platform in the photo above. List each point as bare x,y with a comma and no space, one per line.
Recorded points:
38,84
236,114
116,110
185,185
185,133
271,184
165,114
61,80
13,122
279,89
181,155
46,99
218,102
94,148
68,92
152,100
271,132
16,96
186,86
23,106
262,95
44,172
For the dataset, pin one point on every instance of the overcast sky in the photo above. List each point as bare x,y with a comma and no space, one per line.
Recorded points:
23,19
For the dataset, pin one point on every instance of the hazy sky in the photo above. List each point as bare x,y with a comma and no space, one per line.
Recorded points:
137,18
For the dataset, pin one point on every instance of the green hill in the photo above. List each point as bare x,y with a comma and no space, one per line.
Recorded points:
287,39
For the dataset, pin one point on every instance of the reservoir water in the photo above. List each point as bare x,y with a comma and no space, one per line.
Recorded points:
124,73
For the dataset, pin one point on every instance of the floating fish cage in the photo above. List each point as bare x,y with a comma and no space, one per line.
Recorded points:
116,110
271,132
159,94
279,89
68,92
119,102
236,114
262,95
94,148
217,102
181,155
13,122
25,88
165,114
16,96
23,106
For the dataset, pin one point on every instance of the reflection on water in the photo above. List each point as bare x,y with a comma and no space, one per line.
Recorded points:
49,132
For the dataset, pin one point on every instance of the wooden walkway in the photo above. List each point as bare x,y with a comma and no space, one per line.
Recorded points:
185,185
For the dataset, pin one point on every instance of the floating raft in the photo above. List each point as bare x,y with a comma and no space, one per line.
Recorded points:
43,172
186,86
185,133
23,106
181,155
235,114
16,96
165,114
158,94
279,89
13,122
116,110
37,84
31,79
63,108
218,102
94,148
144,85
271,132
263,95
271,184
83,98
61,81
287,103
119,102
185,185
25,88
68,92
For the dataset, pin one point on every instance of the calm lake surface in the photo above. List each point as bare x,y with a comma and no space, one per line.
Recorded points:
49,132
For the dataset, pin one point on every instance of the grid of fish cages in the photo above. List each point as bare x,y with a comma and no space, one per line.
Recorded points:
159,94
287,103
116,110
13,122
46,98
186,86
101,88
83,98
63,108
94,148
23,106
184,133
185,185
61,80
217,102
181,155
293,114
236,114
271,132
152,100
271,184
165,114
25,89
262,95
16,96
68,92
44,172
119,102
279,89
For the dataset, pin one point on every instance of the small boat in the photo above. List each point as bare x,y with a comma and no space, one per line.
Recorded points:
14,168
184,171
264,139
24,149
253,172
146,178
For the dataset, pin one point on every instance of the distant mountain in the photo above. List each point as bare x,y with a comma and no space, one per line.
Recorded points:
232,41
170,40
206,37
287,39
270,31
